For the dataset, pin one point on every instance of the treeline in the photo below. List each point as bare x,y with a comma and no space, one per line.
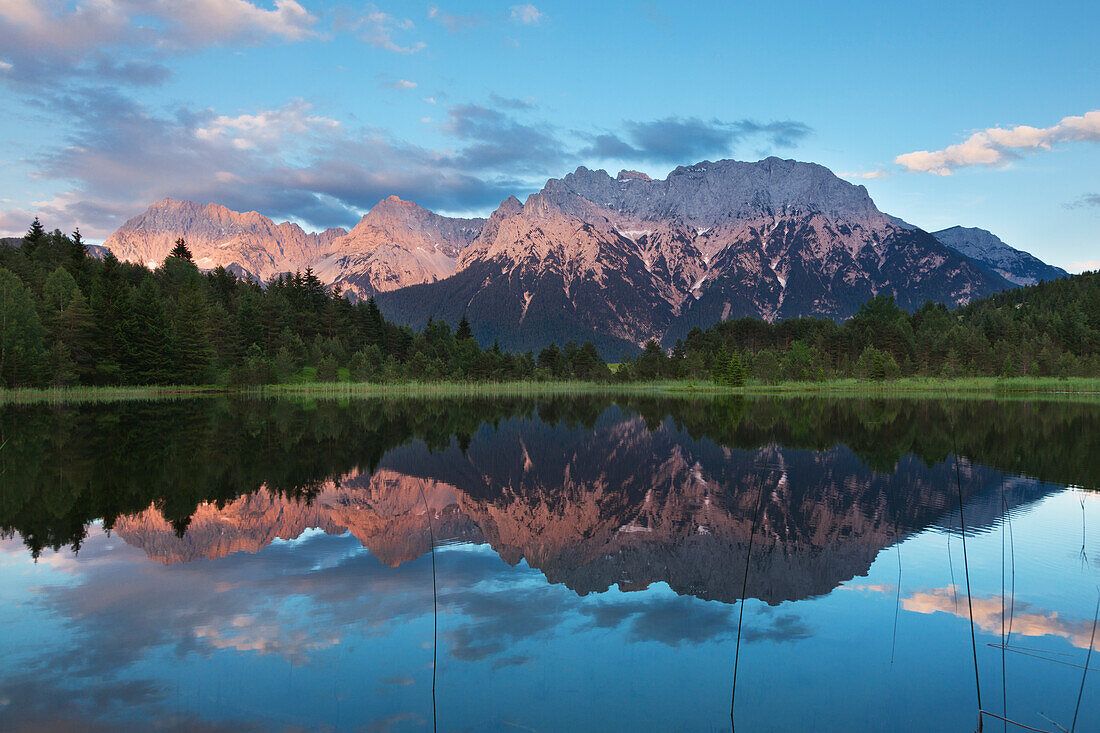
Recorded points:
1046,330
67,318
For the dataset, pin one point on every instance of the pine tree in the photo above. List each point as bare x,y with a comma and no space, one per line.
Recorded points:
34,237
181,251
76,328
78,251
21,333
463,331
112,308
735,371
148,339
284,365
550,359
327,370
195,354
373,328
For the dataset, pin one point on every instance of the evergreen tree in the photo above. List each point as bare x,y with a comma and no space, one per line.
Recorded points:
68,325
78,250
112,308
76,329
180,251
21,333
35,237
195,354
284,366
60,365
148,339
327,369
463,331
766,367
550,360
249,324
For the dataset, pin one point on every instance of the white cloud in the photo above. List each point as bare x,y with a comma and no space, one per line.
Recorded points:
401,84
997,146
429,100
526,14
126,40
453,22
265,128
232,19
378,29
54,25
868,175
5,66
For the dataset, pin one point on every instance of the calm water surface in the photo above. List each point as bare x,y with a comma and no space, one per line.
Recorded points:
237,565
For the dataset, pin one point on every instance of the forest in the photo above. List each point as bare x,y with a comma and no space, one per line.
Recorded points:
68,318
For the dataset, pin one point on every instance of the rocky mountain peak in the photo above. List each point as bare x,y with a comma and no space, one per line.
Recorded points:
245,242
710,193
396,205
396,244
988,249
508,207
625,259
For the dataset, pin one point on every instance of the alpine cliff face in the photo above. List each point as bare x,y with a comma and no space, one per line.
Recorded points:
622,260
395,245
986,248
246,243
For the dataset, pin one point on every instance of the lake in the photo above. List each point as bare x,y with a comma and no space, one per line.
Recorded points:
590,563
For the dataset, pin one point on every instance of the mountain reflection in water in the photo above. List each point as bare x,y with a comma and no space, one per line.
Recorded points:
618,499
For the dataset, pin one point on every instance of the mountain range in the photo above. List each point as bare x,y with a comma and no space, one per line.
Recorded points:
613,260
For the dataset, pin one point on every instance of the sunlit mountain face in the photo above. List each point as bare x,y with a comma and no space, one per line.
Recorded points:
270,564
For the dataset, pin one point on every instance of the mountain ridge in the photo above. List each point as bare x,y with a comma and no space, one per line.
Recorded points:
622,260
985,247
247,242
616,260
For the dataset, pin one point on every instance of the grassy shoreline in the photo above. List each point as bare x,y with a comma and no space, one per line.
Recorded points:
1076,388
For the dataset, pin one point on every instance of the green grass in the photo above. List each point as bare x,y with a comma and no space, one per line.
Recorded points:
61,395
1077,388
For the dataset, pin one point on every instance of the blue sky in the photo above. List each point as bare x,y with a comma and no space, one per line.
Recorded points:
313,111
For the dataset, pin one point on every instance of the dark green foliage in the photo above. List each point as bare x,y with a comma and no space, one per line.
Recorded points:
21,333
34,237
327,370
1050,329
463,331
728,370
147,339
194,349
180,251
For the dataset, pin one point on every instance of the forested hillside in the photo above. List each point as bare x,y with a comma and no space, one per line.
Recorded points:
67,318
1049,329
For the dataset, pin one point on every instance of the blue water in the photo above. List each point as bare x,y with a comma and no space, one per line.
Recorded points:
572,568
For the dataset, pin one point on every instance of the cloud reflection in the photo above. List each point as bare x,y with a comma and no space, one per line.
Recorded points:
1027,620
